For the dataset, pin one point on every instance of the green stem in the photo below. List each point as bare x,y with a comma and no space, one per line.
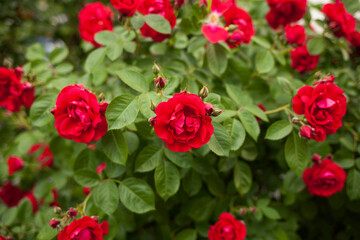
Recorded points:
279,109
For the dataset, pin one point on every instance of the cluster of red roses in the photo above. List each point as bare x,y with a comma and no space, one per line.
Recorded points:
238,27
14,94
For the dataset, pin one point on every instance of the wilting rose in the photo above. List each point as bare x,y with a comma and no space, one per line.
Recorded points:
302,61
79,116
126,7
162,8
227,228
14,164
283,12
340,21
46,158
324,107
93,18
324,179
85,228
182,122
295,34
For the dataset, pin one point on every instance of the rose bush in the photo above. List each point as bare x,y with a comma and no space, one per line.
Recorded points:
179,120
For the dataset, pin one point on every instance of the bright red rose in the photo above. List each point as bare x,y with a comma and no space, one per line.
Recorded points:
34,202
27,96
2,238
227,228
283,12
182,122
295,34
126,7
340,21
14,164
302,61
244,30
324,179
162,8
79,116
46,158
84,229
324,107
93,18
10,89
11,195
354,39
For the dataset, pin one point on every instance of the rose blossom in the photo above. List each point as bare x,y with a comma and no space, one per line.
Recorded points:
46,158
126,7
11,195
86,190
182,122
79,116
324,179
295,34
84,228
340,21
227,228
354,39
14,164
162,8
283,12
301,60
93,18
3,238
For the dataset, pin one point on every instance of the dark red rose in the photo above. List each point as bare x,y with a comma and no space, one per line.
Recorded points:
209,109
30,196
295,34
306,132
302,61
160,82
79,116
10,89
179,3
354,39
86,190
11,195
162,8
324,107
324,179
93,18
244,30
72,212
340,21
84,229
46,158
283,12
14,164
53,223
27,96
182,122
126,7
227,228
54,202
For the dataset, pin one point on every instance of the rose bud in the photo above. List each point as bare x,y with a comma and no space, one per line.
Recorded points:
306,131
72,213
253,209
156,69
57,210
295,120
329,156
217,112
86,190
54,223
209,109
316,158
152,106
14,164
160,83
95,218
204,92
101,168
242,211
152,121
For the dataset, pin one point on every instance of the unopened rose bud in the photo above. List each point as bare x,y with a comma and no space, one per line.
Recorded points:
152,106
306,132
7,63
204,92
209,109
160,82
156,69
316,158
216,112
329,156
96,218
57,210
72,212
54,223
242,211
152,121
318,75
253,209
295,120
101,97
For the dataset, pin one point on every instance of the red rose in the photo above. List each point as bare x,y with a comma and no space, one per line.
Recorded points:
33,201
324,107
46,158
340,21
86,190
301,60
79,116
93,18
2,238
182,122
28,95
227,228
283,12
14,164
11,195
295,34
126,7
84,229
162,8
244,30
354,39
54,202
324,179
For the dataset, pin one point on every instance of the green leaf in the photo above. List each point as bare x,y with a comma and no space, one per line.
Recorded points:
316,46
264,61
192,183
242,177
261,41
9,216
293,183
186,234
114,51
105,37
270,213
297,153
249,122
158,23
106,197
134,80
58,55
40,114
167,179
257,112
148,158
181,159
279,57
238,95
115,147
94,59
279,130
86,178
47,233
64,68
86,159
35,51
220,140
122,111
352,184
130,47
145,104
237,133
217,60
137,22
137,195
